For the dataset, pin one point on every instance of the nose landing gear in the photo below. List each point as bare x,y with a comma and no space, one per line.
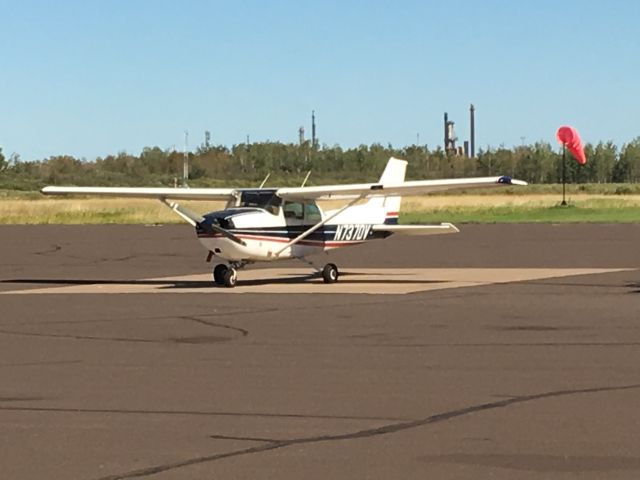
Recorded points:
230,277
219,272
227,276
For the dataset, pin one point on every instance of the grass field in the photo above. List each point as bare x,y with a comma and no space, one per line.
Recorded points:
31,208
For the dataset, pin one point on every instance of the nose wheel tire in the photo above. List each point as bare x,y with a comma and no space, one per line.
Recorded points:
330,273
230,278
218,273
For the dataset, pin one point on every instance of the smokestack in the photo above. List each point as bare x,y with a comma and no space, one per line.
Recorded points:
472,111
449,135
466,148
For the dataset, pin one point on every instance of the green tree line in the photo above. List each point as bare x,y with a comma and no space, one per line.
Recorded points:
248,164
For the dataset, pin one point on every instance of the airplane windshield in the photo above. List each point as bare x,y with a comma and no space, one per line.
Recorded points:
261,199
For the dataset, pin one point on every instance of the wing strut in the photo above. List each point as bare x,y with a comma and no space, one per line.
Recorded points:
309,231
195,220
185,213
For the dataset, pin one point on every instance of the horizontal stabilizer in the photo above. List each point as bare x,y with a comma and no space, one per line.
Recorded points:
417,229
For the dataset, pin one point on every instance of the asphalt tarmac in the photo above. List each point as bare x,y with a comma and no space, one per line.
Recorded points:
516,356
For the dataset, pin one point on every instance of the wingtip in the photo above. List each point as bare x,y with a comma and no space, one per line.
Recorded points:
506,180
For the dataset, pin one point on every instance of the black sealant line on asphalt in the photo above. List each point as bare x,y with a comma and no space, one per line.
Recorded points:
384,430
189,413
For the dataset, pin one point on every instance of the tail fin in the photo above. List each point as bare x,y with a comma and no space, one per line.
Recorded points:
393,173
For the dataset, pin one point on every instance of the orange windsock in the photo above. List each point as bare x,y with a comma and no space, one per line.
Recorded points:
569,137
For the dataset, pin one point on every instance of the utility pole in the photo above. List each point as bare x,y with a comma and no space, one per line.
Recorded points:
314,140
472,122
185,163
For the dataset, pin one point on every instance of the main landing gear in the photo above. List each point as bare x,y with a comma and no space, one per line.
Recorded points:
227,275
330,273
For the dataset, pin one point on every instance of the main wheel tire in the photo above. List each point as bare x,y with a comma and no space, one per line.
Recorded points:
230,278
330,273
218,273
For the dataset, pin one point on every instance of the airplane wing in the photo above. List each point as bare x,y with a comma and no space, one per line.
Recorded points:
417,229
415,187
157,193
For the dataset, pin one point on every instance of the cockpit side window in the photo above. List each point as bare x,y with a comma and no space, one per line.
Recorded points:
312,212
261,199
293,210
309,212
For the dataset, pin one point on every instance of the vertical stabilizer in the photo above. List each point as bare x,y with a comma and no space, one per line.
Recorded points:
393,174
394,171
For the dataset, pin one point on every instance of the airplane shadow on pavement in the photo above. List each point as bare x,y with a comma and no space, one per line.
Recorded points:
345,277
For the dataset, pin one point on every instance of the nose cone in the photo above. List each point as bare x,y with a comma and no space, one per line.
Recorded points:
218,219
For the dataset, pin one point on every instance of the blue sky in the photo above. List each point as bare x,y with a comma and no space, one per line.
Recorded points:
89,78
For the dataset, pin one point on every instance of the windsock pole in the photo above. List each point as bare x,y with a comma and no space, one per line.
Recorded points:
564,174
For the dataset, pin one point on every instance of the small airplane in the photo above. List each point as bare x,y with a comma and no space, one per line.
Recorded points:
268,224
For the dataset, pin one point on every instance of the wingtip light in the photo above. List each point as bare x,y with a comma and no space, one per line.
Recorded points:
511,181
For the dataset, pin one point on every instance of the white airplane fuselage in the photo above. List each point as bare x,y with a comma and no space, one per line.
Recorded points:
265,233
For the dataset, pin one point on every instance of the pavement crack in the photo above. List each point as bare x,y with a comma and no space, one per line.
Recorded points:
21,399
40,364
203,413
80,337
53,249
245,439
367,433
241,331
196,319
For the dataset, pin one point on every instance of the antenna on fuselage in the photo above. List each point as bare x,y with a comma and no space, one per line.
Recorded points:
265,180
305,179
